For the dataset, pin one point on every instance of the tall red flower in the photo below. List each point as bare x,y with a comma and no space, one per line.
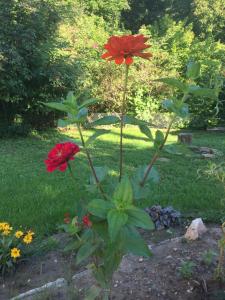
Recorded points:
59,156
124,48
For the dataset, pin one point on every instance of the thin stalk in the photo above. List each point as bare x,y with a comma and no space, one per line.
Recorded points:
123,111
91,163
71,172
156,155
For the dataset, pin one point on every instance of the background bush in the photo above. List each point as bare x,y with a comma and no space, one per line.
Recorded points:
50,47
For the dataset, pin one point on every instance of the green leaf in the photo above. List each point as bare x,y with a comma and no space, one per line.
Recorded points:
134,243
123,195
108,120
71,100
138,217
57,106
143,192
88,102
116,220
176,106
85,251
201,92
101,173
146,131
193,70
99,208
96,135
173,149
63,123
159,138
102,229
82,114
133,121
175,83
112,258
152,176
93,292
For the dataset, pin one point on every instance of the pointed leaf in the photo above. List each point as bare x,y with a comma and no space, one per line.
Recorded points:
145,130
174,83
88,102
82,114
138,217
57,106
116,220
101,173
133,121
193,70
99,208
159,138
93,292
123,194
134,243
85,251
201,92
63,123
96,135
108,120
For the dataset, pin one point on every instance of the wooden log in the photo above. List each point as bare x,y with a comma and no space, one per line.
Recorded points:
185,138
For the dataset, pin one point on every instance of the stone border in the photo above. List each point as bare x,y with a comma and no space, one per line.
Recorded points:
55,285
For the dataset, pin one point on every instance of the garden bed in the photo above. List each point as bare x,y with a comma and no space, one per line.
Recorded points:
160,277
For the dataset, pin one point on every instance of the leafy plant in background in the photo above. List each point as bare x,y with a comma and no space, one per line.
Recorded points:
111,219
11,245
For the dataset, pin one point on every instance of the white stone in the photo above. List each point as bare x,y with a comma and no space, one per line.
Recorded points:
58,284
195,230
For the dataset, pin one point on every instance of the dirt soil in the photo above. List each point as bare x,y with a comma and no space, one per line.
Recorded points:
157,278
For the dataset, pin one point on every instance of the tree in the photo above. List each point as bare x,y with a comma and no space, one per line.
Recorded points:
31,69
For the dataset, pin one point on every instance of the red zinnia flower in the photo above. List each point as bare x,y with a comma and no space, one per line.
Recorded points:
59,156
86,221
120,48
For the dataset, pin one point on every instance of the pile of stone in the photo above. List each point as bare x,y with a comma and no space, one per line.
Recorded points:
164,217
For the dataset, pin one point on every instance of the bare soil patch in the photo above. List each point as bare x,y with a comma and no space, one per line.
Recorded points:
157,278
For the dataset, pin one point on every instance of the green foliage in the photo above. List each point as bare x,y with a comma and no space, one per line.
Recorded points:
208,257
186,269
31,68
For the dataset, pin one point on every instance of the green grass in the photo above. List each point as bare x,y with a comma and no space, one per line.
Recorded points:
31,197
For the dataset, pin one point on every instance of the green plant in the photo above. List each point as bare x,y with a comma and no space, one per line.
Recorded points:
220,271
112,217
208,257
11,245
186,269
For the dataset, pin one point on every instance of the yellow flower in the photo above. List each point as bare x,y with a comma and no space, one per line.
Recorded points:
15,252
5,226
18,234
30,232
6,232
28,238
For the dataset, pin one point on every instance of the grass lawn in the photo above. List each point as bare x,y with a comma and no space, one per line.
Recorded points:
29,196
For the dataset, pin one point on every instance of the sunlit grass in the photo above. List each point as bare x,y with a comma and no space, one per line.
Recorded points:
32,197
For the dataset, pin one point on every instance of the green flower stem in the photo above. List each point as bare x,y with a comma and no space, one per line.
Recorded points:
156,155
123,112
91,163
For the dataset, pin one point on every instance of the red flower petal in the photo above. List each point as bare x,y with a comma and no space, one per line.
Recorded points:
129,60
60,155
123,48
119,60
